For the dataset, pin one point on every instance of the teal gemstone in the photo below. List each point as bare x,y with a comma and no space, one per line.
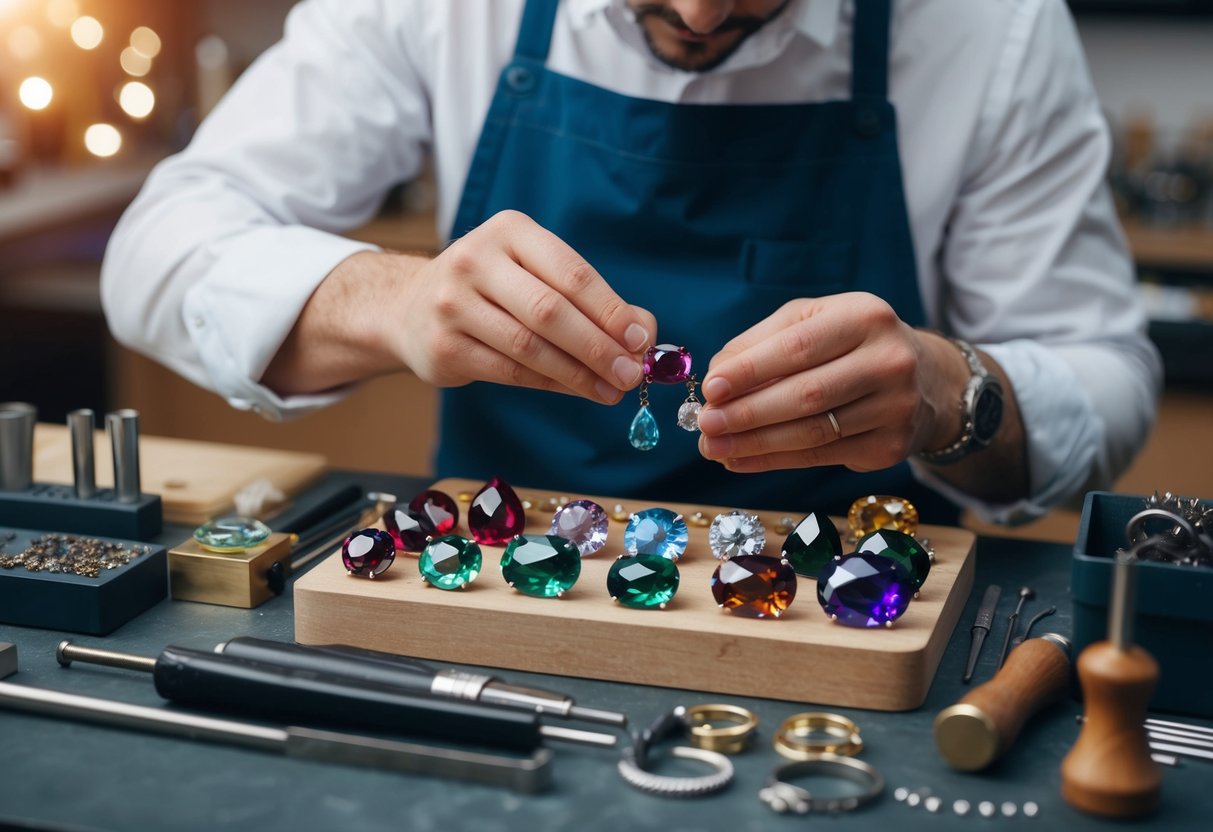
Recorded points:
644,434
901,548
812,544
542,565
643,581
231,534
450,562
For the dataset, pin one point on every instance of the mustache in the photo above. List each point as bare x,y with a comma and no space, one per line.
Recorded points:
730,24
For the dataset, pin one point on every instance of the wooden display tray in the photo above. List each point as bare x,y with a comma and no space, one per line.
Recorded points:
801,657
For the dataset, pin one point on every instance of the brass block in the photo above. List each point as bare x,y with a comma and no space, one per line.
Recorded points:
235,579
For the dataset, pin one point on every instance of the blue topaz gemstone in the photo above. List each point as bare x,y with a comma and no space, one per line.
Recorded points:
656,531
583,522
864,590
902,548
643,434
642,581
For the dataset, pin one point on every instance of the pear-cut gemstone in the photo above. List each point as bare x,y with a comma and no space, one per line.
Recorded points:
643,433
867,514
656,531
542,565
688,416
583,522
667,364
902,548
736,533
864,590
754,585
410,530
496,514
450,562
642,581
812,544
442,511
234,533
368,552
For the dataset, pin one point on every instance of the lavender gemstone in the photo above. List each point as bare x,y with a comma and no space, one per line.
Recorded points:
584,523
864,590
667,364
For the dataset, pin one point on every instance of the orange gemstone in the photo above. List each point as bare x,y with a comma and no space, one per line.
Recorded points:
874,512
755,586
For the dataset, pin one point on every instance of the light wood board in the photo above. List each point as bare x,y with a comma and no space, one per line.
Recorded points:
801,657
195,480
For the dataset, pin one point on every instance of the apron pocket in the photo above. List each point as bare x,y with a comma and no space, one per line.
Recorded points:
818,268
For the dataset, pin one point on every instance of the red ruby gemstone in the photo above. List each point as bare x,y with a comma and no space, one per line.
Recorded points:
410,530
667,364
442,511
496,514
368,552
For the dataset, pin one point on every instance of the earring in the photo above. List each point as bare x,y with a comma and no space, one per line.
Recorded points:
664,364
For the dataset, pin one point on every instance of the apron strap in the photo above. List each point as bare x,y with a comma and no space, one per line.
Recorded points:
535,31
870,50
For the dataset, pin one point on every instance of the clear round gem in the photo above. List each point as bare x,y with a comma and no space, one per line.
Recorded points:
642,581
231,534
656,531
754,585
688,416
736,533
868,514
583,522
450,562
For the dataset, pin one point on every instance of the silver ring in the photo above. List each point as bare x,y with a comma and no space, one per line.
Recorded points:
834,424
664,785
783,797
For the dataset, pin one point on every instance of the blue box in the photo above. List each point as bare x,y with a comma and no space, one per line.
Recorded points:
1174,619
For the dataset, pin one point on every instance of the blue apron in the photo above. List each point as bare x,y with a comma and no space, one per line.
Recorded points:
711,217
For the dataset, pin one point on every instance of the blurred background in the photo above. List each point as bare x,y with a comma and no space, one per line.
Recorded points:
94,92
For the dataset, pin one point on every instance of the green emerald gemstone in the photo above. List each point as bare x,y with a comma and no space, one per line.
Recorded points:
902,548
643,581
450,562
812,544
231,534
542,565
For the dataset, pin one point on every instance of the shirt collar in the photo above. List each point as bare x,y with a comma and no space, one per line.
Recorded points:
816,19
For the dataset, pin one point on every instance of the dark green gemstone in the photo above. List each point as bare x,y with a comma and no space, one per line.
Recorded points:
902,548
450,562
643,581
812,544
542,565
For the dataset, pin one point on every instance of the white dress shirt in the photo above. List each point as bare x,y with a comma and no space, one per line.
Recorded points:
1003,151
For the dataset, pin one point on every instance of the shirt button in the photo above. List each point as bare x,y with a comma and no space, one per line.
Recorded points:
199,322
520,79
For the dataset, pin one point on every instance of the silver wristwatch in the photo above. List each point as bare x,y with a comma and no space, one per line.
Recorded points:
980,412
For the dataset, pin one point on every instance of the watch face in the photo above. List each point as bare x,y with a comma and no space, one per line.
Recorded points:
987,415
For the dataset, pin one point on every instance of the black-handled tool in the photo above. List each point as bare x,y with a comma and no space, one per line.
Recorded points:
413,676
981,627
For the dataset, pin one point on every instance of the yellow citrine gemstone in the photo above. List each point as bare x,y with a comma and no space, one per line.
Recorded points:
867,514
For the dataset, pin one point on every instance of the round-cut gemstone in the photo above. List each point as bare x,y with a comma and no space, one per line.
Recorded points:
450,562
867,514
410,530
231,534
642,581
542,565
736,533
368,552
812,544
864,590
754,585
667,364
688,416
902,548
583,522
643,434
496,514
656,531
442,511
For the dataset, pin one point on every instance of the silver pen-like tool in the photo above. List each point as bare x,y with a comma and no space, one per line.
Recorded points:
17,420
80,426
123,429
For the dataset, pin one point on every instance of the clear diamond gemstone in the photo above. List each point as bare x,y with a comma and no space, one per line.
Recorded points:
736,533
688,416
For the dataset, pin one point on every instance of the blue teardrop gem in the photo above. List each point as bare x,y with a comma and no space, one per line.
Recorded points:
643,434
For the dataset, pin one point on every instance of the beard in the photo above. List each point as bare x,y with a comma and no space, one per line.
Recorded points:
695,56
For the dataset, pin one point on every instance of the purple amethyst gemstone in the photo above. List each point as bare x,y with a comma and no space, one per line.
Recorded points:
410,530
667,364
583,523
864,590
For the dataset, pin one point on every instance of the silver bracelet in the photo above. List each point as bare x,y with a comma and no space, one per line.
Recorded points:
783,797
664,785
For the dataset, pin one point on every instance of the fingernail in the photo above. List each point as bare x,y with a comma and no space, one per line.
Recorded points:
635,337
716,389
607,392
627,370
712,421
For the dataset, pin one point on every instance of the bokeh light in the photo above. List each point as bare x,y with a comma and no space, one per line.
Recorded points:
146,41
87,32
135,62
102,140
62,13
36,93
136,99
24,42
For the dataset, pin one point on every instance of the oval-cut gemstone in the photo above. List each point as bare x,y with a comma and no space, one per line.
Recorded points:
736,533
667,364
902,548
864,590
583,522
642,581
643,433
231,534
368,552
656,531
754,585
812,544
450,562
496,514
410,530
542,565
688,416
867,514
442,511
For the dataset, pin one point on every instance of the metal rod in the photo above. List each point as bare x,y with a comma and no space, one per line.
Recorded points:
80,425
559,732
1121,606
1182,726
1181,750
17,420
600,716
67,653
1179,739
1165,760
308,551
123,429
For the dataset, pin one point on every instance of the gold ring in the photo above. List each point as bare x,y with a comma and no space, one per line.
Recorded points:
803,735
834,424
722,728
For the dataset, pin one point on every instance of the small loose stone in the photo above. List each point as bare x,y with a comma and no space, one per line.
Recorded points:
986,809
913,799
900,794
933,803
1030,809
688,416
1009,809
961,807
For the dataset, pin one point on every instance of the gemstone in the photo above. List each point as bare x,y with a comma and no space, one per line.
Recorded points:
368,552
688,416
450,562
867,514
642,581
667,364
812,544
754,585
643,433
410,530
902,548
736,533
864,590
442,511
656,531
542,565
583,522
234,533
496,514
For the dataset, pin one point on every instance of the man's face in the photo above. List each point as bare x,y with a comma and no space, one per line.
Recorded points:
698,35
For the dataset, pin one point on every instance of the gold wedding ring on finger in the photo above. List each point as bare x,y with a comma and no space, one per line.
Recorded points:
723,728
803,736
834,424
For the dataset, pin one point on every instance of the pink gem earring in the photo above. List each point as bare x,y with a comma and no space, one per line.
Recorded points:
664,364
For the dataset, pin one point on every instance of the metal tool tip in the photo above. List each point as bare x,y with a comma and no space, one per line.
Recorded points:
594,715
61,653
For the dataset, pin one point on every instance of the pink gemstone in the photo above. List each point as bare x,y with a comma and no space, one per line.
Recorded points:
667,364
410,530
496,514
368,552
441,510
